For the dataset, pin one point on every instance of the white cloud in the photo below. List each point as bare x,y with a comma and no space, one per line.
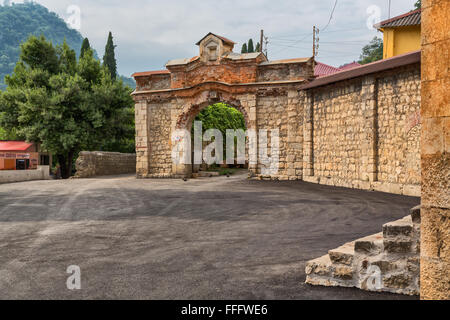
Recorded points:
150,32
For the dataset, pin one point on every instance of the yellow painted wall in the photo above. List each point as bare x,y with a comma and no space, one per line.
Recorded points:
400,40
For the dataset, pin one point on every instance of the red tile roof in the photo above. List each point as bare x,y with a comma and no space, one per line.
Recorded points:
348,66
411,18
14,145
149,73
323,69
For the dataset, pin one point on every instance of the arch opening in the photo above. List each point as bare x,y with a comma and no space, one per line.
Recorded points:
207,121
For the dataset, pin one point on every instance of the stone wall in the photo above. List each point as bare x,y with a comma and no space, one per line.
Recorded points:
271,115
41,173
276,71
99,163
359,130
365,132
435,153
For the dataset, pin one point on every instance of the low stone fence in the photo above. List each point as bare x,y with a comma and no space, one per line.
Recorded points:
42,173
99,163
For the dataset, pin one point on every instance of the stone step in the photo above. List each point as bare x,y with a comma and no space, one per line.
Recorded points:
323,272
343,255
320,266
415,215
398,246
401,228
387,261
371,245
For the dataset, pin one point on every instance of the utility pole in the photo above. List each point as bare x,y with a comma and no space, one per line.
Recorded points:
315,41
261,41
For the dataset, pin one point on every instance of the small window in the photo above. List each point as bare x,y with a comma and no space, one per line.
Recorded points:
212,53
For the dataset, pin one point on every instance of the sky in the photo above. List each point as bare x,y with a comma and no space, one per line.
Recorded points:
148,33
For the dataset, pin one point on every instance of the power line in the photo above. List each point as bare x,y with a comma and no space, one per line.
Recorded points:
331,16
294,39
328,47
289,46
336,42
330,31
308,35
339,54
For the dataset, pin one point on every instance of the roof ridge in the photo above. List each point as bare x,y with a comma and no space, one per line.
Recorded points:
380,24
216,35
370,68
149,73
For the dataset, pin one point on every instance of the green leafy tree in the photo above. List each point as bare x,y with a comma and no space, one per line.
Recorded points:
65,105
418,4
40,54
250,46
3,134
222,117
67,59
372,52
109,59
244,48
85,46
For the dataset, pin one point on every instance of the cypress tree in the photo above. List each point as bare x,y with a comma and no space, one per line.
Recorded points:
84,47
109,59
258,47
250,46
244,48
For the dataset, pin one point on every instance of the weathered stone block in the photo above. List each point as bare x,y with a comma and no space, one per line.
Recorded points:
397,281
320,266
385,266
398,246
343,255
394,230
343,272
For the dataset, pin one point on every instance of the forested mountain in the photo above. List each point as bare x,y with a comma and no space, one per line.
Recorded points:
19,21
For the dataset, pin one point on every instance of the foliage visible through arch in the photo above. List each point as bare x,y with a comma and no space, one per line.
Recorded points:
222,117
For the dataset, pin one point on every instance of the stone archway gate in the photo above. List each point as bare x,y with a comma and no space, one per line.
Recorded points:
265,92
357,128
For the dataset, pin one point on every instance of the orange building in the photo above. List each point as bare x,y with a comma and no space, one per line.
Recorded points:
21,155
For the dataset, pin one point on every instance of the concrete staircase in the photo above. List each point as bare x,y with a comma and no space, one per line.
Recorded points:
385,262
